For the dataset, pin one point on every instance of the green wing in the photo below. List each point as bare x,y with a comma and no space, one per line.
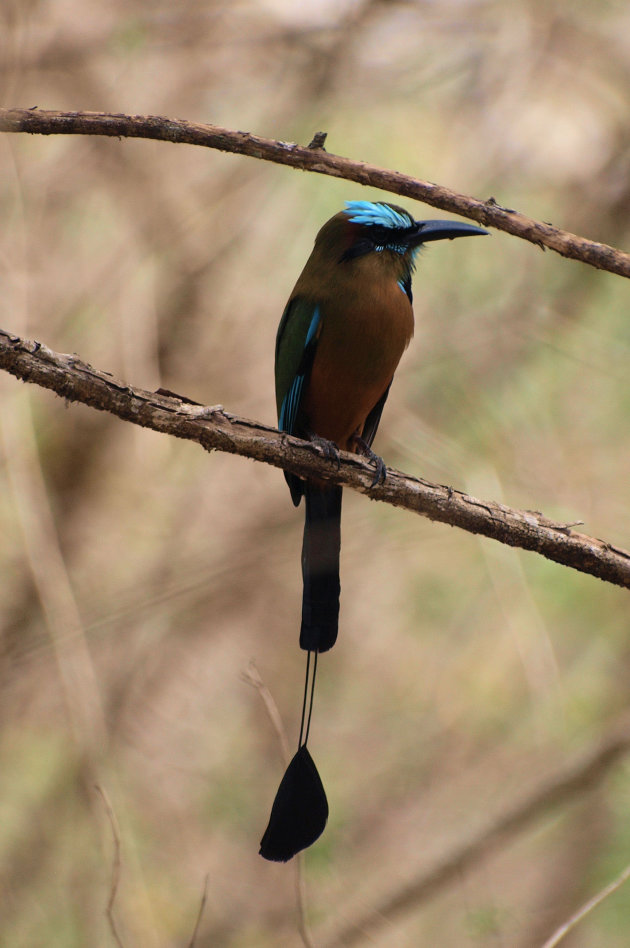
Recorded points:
296,344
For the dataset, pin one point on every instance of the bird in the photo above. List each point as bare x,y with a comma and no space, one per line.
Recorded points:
342,334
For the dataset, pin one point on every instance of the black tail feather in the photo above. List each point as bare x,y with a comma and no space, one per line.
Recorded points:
299,811
320,568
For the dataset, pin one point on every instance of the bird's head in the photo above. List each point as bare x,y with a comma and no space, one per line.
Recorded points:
367,227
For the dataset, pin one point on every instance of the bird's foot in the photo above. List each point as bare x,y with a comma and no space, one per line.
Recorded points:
328,448
381,470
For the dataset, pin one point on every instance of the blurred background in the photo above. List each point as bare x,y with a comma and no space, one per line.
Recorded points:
140,576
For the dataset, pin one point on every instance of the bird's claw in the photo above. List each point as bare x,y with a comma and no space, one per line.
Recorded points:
328,448
381,470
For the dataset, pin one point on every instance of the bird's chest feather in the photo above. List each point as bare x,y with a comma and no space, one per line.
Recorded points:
363,337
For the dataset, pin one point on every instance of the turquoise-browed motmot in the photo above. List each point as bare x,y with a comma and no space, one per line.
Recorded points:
347,323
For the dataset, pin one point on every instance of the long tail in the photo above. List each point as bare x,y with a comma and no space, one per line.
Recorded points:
300,809
320,568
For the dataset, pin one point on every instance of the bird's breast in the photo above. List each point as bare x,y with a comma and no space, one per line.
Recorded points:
363,337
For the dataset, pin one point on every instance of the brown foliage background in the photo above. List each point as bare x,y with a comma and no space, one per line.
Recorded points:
140,576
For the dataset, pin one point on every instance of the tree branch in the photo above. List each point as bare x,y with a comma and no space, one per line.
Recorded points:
202,905
314,158
216,429
583,773
587,908
116,866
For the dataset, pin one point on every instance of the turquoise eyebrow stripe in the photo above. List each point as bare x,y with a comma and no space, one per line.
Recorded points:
373,213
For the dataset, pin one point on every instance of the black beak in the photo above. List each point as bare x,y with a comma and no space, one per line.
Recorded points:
443,230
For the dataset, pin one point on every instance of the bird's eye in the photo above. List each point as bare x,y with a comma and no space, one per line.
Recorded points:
390,236
381,235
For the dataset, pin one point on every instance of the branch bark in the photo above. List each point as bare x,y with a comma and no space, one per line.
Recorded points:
314,158
216,429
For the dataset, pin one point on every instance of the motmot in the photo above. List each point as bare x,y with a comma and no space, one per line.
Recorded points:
342,334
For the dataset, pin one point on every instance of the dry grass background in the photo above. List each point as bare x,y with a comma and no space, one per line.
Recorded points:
139,576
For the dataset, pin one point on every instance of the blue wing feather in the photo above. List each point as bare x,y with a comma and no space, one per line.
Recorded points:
292,400
290,405
296,344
